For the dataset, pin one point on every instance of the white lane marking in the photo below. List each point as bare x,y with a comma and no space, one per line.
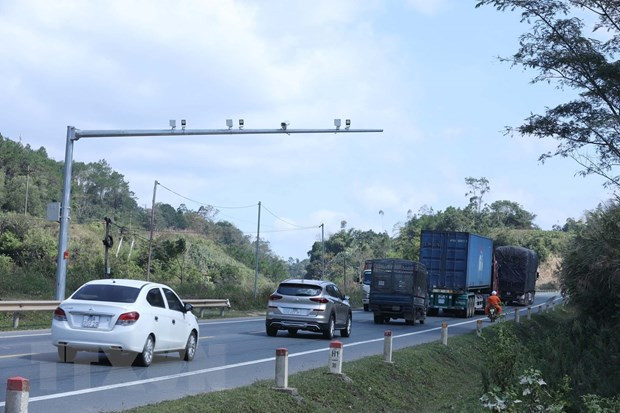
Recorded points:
17,355
231,322
27,335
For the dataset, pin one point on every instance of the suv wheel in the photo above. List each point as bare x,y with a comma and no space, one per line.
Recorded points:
346,331
328,333
271,331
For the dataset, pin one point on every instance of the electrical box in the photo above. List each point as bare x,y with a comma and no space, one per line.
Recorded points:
53,211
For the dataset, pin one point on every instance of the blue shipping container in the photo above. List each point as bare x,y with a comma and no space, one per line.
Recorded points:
457,261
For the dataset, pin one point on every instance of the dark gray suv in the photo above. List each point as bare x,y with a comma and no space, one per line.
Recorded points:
310,305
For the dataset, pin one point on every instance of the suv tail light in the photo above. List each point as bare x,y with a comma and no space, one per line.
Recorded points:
127,319
321,300
59,314
275,297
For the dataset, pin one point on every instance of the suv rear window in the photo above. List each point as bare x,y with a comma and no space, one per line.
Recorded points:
300,290
112,293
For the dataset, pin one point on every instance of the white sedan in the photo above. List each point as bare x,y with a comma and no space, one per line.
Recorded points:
124,316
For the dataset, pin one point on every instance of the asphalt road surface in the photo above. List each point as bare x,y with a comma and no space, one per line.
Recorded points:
231,353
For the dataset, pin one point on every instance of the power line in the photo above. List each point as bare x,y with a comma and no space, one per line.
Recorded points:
286,222
206,203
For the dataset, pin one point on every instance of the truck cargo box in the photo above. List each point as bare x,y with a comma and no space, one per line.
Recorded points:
457,261
398,289
517,269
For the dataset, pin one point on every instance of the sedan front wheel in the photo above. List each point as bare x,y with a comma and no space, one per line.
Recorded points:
190,348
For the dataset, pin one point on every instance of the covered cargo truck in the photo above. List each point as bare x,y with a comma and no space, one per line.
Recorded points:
398,289
517,271
460,271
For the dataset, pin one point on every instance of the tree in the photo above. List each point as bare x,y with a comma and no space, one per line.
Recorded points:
477,188
587,128
510,214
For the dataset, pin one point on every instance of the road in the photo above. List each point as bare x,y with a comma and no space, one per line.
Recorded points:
231,353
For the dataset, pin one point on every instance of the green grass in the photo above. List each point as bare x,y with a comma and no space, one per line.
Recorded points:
28,320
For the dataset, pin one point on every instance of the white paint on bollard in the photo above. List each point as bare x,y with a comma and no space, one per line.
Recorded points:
335,357
517,317
17,394
387,346
281,368
529,313
444,333
479,328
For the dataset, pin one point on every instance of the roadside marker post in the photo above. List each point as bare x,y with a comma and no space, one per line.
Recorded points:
517,316
529,313
387,346
444,333
17,394
479,328
335,357
281,368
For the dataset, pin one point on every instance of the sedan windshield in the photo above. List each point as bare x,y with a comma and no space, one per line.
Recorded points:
113,293
300,290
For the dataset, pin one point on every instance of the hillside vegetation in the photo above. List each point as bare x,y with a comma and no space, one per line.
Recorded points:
195,251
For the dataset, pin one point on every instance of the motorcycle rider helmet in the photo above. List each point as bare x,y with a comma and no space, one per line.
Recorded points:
494,293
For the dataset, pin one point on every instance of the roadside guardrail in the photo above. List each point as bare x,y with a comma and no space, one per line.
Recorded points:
18,307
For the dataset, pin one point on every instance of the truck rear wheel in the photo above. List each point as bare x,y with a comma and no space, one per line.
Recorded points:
365,307
432,312
378,319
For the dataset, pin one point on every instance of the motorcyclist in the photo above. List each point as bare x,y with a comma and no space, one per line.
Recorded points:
493,301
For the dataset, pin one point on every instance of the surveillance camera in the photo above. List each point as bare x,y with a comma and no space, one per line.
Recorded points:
337,123
229,123
347,123
183,123
173,123
241,123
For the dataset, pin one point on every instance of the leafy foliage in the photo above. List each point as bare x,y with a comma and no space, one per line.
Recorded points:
590,273
557,48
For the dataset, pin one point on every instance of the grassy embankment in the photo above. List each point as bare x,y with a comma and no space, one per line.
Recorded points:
425,378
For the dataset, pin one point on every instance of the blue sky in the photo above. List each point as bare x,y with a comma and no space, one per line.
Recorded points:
425,71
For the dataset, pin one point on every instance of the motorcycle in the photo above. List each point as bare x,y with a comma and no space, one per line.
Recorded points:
493,315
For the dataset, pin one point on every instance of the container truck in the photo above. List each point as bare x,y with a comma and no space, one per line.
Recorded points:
460,271
517,271
398,289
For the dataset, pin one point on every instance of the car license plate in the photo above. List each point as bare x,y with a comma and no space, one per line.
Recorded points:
441,300
395,308
296,311
90,321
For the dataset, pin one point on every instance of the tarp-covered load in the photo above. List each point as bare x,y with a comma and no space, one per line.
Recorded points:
517,268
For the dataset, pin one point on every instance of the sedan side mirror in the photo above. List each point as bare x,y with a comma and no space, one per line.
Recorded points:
188,308
346,298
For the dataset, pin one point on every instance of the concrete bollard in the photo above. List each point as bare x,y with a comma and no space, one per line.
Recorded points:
444,333
479,328
335,357
529,313
16,319
517,317
387,346
281,368
17,393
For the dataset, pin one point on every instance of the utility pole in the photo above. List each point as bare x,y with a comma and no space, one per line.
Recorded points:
27,182
257,240
322,251
107,242
148,263
74,134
